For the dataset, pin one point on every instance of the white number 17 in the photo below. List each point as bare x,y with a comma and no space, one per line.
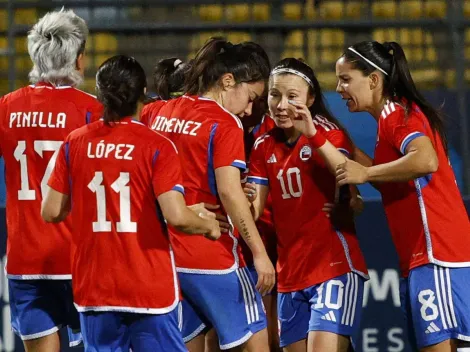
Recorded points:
25,193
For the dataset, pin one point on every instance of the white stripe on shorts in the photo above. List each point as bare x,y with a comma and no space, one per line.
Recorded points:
356,284
444,297
346,300
251,290
245,297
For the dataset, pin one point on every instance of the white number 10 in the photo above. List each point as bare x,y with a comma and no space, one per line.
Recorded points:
291,193
119,186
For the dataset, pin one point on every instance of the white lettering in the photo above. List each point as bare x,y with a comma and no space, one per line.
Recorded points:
369,337
106,150
175,125
37,119
380,290
12,118
394,336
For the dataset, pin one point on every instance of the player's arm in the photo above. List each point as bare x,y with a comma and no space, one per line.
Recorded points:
257,194
55,206
408,136
234,201
178,215
361,157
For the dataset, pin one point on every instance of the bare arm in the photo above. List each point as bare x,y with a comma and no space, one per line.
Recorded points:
234,201
182,218
361,157
55,206
257,195
419,160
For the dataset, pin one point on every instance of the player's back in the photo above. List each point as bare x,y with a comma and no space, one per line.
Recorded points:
207,137
34,121
122,255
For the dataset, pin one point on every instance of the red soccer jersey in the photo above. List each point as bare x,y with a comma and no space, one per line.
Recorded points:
427,217
310,249
265,223
150,111
208,137
122,259
34,121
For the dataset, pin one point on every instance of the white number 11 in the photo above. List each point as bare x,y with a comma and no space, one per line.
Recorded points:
119,186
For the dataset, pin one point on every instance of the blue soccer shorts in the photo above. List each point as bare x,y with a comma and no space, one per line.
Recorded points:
229,302
436,303
41,307
333,306
120,332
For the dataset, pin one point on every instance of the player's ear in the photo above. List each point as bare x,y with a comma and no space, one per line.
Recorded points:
310,100
374,80
80,63
227,81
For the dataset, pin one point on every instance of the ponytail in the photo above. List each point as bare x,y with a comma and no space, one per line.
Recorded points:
168,78
402,88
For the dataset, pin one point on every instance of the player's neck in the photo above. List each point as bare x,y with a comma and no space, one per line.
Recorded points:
292,135
377,107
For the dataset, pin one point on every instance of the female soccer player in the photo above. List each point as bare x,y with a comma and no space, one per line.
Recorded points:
222,83
321,271
34,121
121,180
425,211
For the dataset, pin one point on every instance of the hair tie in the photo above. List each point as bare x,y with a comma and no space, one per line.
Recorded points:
292,71
177,63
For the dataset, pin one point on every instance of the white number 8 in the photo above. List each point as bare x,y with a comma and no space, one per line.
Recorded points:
426,298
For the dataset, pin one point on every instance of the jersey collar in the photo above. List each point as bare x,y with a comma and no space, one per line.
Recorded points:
48,85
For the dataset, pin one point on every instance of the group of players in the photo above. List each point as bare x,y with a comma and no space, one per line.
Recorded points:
139,225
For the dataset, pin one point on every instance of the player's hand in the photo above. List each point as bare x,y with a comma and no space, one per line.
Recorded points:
351,173
214,227
205,209
250,191
266,273
301,118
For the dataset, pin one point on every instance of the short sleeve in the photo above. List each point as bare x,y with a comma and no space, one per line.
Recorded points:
59,179
340,140
166,166
258,172
401,130
94,112
227,145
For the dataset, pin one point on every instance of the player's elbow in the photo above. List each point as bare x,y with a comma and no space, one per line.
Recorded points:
50,214
429,164
177,219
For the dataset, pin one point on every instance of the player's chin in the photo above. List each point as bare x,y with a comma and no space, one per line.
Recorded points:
284,123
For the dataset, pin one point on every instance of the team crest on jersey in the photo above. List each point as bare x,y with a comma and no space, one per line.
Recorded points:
305,152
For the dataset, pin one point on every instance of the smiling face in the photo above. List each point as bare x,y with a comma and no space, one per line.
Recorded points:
354,87
284,87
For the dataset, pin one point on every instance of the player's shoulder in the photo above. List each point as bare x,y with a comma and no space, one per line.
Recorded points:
15,95
270,138
213,111
393,111
153,107
81,97
84,130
